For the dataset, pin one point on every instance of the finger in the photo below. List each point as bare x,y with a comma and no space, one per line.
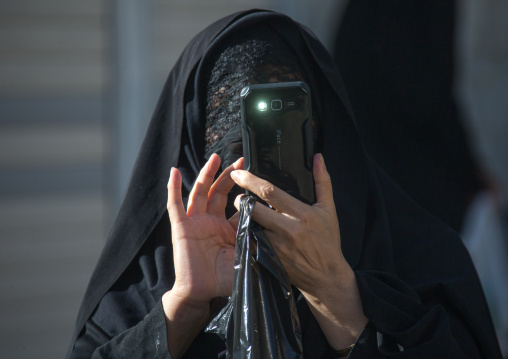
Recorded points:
218,195
271,194
234,220
267,218
198,198
175,206
322,180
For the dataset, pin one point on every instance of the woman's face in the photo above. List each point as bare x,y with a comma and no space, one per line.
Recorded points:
266,58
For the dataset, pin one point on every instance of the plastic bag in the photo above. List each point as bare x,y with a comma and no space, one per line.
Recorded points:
260,320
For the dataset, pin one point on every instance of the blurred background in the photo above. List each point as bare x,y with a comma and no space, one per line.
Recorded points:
78,83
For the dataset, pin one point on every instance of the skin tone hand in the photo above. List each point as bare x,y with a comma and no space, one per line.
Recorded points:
203,247
307,241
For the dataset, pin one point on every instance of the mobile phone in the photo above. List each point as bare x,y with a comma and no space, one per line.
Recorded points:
277,136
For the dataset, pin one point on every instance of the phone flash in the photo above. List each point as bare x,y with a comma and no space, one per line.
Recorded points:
262,106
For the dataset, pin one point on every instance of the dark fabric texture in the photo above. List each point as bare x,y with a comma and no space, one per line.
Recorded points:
418,286
146,340
253,57
398,64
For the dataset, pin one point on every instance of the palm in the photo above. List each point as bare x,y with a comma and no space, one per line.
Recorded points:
203,239
203,246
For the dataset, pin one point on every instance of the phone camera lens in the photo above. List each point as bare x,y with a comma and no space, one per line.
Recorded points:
276,105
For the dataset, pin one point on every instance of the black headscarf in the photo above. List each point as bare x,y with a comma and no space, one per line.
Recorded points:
419,289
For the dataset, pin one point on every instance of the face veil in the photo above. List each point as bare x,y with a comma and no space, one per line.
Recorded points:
413,295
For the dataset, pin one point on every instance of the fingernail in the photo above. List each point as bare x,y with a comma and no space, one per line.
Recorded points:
235,175
237,201
171,174
321,159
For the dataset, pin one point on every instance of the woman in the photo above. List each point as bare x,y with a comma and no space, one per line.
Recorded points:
393,280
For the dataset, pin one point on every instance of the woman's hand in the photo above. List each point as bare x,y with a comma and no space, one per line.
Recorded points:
203,239
203,250
307,241
306,238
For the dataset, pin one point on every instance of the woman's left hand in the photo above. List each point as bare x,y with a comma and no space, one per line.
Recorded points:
307,241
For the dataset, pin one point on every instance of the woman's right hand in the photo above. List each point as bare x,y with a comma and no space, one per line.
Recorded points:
203,251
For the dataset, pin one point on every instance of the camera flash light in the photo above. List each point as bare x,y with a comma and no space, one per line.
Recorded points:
262,106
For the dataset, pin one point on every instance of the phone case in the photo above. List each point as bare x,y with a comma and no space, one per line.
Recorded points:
277,136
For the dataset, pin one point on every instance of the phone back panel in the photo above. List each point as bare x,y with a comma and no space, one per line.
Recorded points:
277,136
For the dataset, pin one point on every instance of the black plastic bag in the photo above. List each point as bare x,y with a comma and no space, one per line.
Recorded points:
260,320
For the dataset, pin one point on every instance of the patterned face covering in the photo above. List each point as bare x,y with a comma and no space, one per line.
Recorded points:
248,60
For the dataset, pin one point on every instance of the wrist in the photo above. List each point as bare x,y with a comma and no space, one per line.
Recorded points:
184,320
176,306
338,309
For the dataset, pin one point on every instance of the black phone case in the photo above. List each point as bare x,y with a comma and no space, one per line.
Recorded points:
277,137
